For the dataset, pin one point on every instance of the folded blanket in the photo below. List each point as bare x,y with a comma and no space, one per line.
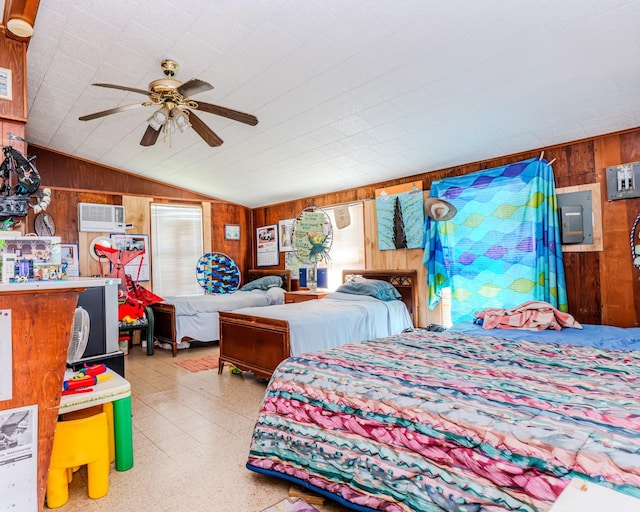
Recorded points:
532,316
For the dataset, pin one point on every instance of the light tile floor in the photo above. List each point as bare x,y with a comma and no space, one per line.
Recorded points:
191,434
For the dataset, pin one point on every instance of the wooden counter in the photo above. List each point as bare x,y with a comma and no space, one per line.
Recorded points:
41,319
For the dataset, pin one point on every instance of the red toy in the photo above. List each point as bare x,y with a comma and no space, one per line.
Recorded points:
132,298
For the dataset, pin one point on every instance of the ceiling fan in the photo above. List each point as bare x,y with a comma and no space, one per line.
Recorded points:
176,107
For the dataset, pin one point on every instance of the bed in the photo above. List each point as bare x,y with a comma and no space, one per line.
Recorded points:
258,340
453,421
188,319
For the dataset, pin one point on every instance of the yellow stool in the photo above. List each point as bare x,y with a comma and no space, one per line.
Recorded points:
90,411
75,443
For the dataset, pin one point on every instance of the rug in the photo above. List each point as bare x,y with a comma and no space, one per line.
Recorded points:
291,505
199,364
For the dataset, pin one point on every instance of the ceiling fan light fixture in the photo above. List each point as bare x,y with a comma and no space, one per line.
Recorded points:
159,118
180,120
154,124
161,115
183,127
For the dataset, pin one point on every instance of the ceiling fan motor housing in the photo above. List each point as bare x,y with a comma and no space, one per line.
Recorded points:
164,86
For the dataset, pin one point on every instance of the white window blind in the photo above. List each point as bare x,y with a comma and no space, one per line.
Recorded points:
176,247
347,251
445,301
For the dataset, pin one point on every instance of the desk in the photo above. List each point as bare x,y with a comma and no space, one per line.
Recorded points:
118,391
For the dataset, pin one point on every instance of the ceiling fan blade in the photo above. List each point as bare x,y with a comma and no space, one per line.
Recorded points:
150,137
194,86
124,88
109,111
203,130
227,112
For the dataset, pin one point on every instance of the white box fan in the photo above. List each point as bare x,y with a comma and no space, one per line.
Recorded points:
79,335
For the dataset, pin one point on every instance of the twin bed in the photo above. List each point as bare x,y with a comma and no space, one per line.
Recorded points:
258,339
462,420
180,319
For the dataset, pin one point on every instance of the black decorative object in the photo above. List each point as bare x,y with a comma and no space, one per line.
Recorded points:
399,235
19,180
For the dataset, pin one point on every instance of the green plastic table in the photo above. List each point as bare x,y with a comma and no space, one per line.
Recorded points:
116,390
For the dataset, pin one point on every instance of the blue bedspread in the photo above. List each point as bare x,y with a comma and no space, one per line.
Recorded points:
600,336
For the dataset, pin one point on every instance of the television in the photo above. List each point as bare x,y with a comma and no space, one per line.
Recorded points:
101,303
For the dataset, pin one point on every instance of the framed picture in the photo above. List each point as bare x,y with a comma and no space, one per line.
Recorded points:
231,232
138,268
69,256
285,228
6,84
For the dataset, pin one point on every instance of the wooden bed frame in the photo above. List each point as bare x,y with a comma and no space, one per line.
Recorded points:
259,344
164,313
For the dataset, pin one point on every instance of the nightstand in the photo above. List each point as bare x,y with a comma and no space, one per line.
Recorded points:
303,295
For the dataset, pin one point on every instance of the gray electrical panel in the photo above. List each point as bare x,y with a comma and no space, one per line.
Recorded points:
576,217
572,224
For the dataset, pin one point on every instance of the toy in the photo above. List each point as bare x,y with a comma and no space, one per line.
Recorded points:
88,376
132,298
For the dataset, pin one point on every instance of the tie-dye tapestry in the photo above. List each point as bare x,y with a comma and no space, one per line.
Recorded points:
503,246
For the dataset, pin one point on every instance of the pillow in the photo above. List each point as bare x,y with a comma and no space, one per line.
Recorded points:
275,295
263,283
375,288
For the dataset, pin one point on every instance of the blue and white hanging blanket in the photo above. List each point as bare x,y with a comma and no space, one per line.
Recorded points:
503,247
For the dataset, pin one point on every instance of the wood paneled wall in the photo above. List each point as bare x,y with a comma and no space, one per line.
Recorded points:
76,181
603,287
13,55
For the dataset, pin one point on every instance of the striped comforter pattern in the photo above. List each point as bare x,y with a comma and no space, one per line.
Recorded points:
428,421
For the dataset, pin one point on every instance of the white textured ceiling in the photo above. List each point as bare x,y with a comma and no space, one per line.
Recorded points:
347,92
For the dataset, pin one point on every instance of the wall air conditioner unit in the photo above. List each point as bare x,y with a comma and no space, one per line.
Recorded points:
101,218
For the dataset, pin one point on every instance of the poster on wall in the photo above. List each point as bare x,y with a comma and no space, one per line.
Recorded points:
400,216
285,229
139,268
292,263
267,244
19,459
69,257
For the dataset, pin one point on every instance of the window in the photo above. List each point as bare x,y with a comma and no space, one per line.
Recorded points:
347,251
445,305
176,247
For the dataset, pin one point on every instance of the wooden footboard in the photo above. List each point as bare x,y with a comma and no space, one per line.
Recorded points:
164,329
259,344
164,326
253,343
